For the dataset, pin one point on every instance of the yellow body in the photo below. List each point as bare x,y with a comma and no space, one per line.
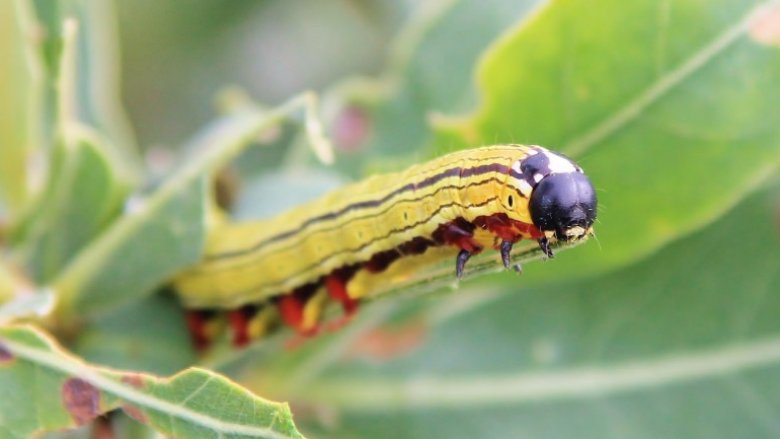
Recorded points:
251,262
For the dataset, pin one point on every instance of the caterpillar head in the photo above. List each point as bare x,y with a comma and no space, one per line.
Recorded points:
564,206
562,202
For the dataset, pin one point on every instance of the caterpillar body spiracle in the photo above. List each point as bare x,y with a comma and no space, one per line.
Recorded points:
341,246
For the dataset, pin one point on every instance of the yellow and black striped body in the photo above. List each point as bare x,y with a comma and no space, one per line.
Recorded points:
343,243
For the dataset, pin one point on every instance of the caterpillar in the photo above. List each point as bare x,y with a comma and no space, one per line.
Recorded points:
339,247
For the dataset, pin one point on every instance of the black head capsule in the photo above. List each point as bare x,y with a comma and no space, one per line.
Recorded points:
564,204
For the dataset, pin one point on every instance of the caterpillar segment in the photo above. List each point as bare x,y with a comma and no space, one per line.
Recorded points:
338,249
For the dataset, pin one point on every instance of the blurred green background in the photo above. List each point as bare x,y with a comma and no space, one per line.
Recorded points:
176,57
665,325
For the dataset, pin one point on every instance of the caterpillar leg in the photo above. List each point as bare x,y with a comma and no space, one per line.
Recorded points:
301,309
203,326
291,310
459,233
506,258
336,285
460,262
506,249
250,323
196,323
303,315
262,321
500,225
337,290
239,322
544,244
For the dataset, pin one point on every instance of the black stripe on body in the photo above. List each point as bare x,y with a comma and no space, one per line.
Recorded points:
363,246
206,269
451,172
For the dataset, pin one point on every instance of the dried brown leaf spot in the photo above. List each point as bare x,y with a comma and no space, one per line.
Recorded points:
134,379
137,381
5,354
135,413
81,399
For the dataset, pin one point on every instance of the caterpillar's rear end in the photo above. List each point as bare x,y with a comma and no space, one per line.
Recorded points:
338,248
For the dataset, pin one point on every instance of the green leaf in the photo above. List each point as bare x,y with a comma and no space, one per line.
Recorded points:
97,81
19,84
432,65
155,238
84,192
79,60
163,232
46,389
690,333
8,284
86,181
149,335
673,122
118,424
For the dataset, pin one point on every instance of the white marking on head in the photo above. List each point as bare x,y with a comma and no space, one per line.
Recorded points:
559,164
524,188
